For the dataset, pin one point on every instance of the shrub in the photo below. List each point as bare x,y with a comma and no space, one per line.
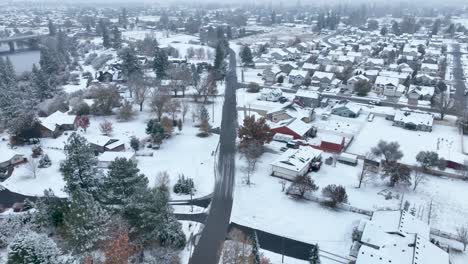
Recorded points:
336,193
125,112
101,60
31,247
253,88
83,109
91,57
184,185
45,161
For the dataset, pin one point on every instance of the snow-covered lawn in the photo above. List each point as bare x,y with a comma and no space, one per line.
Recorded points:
263,206
445,140
183,153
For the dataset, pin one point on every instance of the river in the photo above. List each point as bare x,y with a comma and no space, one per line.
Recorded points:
23,60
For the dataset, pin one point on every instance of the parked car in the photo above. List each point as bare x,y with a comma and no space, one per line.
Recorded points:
283,99
375,102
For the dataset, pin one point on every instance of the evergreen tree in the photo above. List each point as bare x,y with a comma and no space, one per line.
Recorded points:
256,249
63,47
41,87
151,219
314,255
49,62
32,248
122,183
130,64
161,63
52,29
135,143
9,74
219,57
79,169
117,38
106,41
383,31
85,223
246,55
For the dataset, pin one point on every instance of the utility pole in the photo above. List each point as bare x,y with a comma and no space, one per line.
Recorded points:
282,249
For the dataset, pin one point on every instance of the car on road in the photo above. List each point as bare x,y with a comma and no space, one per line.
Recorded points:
283,99
375,102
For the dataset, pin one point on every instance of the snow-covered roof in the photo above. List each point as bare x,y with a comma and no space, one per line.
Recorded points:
310,66
400,222
298,126
335,139
57,119
394,74
7,154
297,159
417,118
321,75
307,94
383,80
109,156
358,78
298,73
430,66
422,90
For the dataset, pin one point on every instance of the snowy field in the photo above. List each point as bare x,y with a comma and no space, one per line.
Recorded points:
443,139
263,206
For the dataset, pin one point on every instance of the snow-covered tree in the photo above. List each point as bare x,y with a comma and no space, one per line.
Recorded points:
336,194
130,65
85,223
122,183
314,255
33,248
79,169
42,88
256,249
160,63
116,38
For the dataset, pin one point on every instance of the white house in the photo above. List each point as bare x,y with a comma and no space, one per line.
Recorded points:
430,68
413,120
9,158
295,162
388,84
323,79
396,237
297,77
417,92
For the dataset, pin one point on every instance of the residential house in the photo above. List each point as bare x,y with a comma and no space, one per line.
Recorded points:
308,98
417,92
346,110
274,112
332,143
356,78
425,79
106,158
101,144
322,79
386,85
413,120
9,158
295,162
55,124
294,127
297,77
396,237
269,75
374,63
430,69
278,54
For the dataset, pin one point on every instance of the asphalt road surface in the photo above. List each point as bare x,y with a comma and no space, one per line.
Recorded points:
209,247
458,82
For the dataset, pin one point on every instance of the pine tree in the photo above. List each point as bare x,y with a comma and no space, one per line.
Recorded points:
130,64
41,87
9,74
246,55
117,38
52,29
106,42
49,62
85,222
219,57
122,183
135,143
63,46
31,247
314,255
256,249
204,117
161,63
79,168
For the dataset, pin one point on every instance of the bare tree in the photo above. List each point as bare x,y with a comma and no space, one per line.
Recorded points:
462,234
365,176
302,185
158,103
163,180
106,128
173,108
251,153
33,167
237,250
142,91
418,177
444,103
184,108
206,87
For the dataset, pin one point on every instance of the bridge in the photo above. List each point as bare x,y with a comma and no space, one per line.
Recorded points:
32,40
